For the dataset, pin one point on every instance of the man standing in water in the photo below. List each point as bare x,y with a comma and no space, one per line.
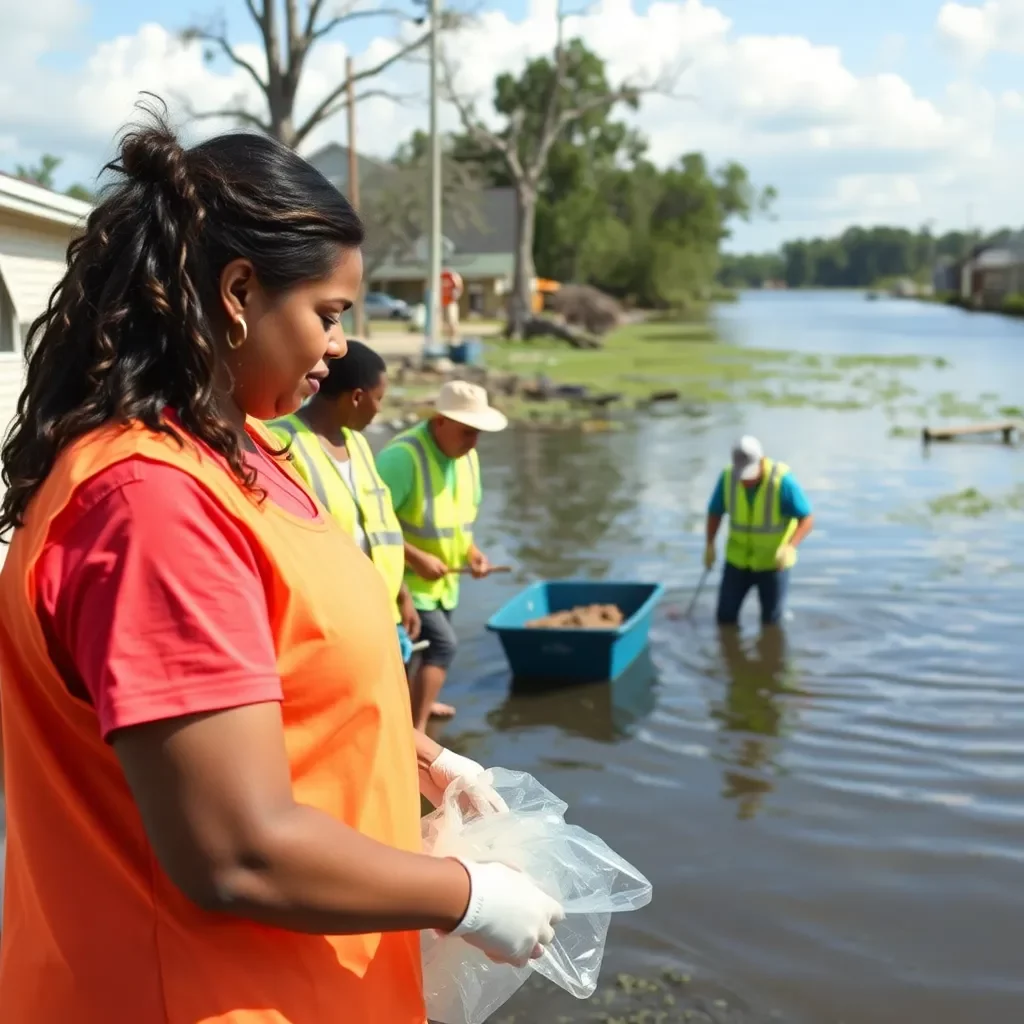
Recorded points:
330,453
433,473
769,517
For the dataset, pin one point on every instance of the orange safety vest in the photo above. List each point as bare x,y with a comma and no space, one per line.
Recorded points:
94,932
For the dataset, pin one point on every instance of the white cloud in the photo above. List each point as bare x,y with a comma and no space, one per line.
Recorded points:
1012,100
973,31
839,146
882,194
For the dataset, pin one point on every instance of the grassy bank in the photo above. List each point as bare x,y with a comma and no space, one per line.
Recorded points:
691,361
688,364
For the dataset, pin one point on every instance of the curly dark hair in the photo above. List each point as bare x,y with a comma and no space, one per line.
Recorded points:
127,333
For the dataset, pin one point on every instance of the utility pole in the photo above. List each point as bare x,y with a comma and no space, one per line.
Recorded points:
432,332
358,321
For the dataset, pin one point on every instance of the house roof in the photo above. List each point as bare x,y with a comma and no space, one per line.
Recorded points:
494,228
35,201
332,162
1000,250
472,267
478,246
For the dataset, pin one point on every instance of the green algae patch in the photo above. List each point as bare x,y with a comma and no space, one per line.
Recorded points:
968,502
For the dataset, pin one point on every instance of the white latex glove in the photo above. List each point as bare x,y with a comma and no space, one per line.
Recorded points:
785,557
449,766
508,918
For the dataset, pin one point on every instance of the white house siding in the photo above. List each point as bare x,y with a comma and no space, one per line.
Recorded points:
36,226
32,261
31,264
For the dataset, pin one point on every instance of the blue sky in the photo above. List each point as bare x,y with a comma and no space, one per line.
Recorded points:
898,111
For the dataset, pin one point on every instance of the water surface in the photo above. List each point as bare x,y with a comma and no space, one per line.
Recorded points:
833,818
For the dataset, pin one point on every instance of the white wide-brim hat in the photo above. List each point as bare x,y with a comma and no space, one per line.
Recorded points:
467,404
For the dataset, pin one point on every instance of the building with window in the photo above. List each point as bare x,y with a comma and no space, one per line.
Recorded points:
36,226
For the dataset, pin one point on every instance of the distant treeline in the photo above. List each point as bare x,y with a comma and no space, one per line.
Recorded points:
858,258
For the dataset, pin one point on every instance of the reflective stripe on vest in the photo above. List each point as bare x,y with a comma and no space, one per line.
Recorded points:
769,523
430,530
370,505
438,519
756,525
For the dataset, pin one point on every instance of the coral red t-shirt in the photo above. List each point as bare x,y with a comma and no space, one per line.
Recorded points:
148,630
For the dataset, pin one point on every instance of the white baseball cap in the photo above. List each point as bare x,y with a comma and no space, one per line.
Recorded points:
467,404
747,454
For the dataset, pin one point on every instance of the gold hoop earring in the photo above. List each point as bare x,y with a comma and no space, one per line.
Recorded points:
232,344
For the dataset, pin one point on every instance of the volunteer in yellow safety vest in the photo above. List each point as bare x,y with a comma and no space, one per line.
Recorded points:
433,473
332,456
769,516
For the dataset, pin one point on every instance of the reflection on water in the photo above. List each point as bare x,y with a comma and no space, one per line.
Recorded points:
602,712
752,712
832,813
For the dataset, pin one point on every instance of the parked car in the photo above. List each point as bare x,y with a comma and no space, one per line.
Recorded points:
379,306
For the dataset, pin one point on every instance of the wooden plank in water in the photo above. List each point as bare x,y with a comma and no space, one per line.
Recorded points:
1005,427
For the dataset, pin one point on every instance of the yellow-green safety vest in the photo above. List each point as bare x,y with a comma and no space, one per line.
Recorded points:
756,528
437,519
372,507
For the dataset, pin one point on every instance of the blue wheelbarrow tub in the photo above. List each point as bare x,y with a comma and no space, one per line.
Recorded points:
577,655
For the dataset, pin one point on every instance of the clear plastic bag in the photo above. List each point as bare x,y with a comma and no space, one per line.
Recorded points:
590,880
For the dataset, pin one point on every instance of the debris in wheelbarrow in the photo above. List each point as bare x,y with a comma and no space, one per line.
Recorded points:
587,616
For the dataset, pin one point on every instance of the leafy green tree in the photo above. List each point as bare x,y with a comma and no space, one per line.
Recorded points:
858,258
562,98
593,208
43,174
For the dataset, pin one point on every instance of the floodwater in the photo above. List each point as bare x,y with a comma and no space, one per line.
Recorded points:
832,818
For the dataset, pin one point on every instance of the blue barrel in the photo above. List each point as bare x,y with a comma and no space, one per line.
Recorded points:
469,352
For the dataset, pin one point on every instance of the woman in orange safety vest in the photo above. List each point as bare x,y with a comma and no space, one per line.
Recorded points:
212,781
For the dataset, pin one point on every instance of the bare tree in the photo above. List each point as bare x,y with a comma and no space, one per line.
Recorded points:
524,144
287,43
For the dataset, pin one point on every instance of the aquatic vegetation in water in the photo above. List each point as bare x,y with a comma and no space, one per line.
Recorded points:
949,405
903,362
968,502
971,502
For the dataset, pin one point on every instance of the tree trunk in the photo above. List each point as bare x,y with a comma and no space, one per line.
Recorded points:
520,306
281,106
282,120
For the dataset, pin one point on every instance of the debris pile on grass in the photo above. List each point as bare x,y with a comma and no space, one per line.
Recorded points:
586,308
